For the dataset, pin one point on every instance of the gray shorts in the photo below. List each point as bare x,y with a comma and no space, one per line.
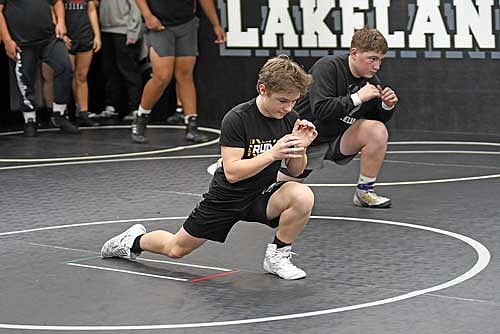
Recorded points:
176,41
318,153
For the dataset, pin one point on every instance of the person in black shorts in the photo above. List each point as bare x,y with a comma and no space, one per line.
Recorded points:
255,137
83,40
171,37
349,106
30,36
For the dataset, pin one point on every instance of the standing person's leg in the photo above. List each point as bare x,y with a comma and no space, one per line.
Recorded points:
286,206
56,56
163,70
112,86
127,62
186,53
185,88
81,63
369,138
24,70
184,67
48,87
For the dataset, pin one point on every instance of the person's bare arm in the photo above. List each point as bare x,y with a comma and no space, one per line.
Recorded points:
11,47
58,7
208,7
151,21
94,22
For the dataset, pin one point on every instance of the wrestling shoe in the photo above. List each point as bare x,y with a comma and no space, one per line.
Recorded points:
30,128
277,262
120,245
177,118
369,199
84,119
139,126
192,132
62,122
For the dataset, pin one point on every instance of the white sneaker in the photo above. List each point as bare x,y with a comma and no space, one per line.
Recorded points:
277,262
120,245
369,199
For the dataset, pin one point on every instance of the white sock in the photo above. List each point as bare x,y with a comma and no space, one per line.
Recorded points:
59,108
186,118
365,183
29,114
142,111
365,179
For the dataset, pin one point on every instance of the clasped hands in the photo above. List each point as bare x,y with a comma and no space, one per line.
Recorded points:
294,145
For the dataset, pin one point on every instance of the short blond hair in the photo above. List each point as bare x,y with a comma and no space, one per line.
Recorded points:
369,39
281,73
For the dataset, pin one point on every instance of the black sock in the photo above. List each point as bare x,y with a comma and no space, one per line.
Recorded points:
279,243
136,246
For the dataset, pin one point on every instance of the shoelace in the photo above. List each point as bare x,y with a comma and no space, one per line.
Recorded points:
282,255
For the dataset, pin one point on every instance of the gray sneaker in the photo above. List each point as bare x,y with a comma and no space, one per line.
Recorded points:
369,199
120,245
277,262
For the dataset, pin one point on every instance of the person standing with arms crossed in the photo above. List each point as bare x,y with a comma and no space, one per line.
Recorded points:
172,40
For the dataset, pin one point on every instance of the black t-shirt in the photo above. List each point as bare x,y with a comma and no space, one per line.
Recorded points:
328,103
77,19
173,12
245,127
29,21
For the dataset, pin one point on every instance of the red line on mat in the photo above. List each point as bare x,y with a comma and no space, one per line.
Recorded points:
213,276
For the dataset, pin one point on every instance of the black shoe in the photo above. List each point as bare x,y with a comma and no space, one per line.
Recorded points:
84,120
176,119
192,132
139,128
62,122
30,128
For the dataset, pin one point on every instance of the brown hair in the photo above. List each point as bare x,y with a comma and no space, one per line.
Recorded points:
281,73
369,39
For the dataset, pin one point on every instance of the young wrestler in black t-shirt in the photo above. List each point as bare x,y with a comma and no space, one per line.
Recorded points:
255,137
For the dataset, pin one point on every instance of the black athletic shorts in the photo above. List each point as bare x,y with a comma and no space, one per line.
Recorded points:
83,44
213,218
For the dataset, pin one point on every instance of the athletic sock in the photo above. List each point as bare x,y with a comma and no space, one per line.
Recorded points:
188,117
279,243
29,114
366,183
136,246
141,111
59,108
